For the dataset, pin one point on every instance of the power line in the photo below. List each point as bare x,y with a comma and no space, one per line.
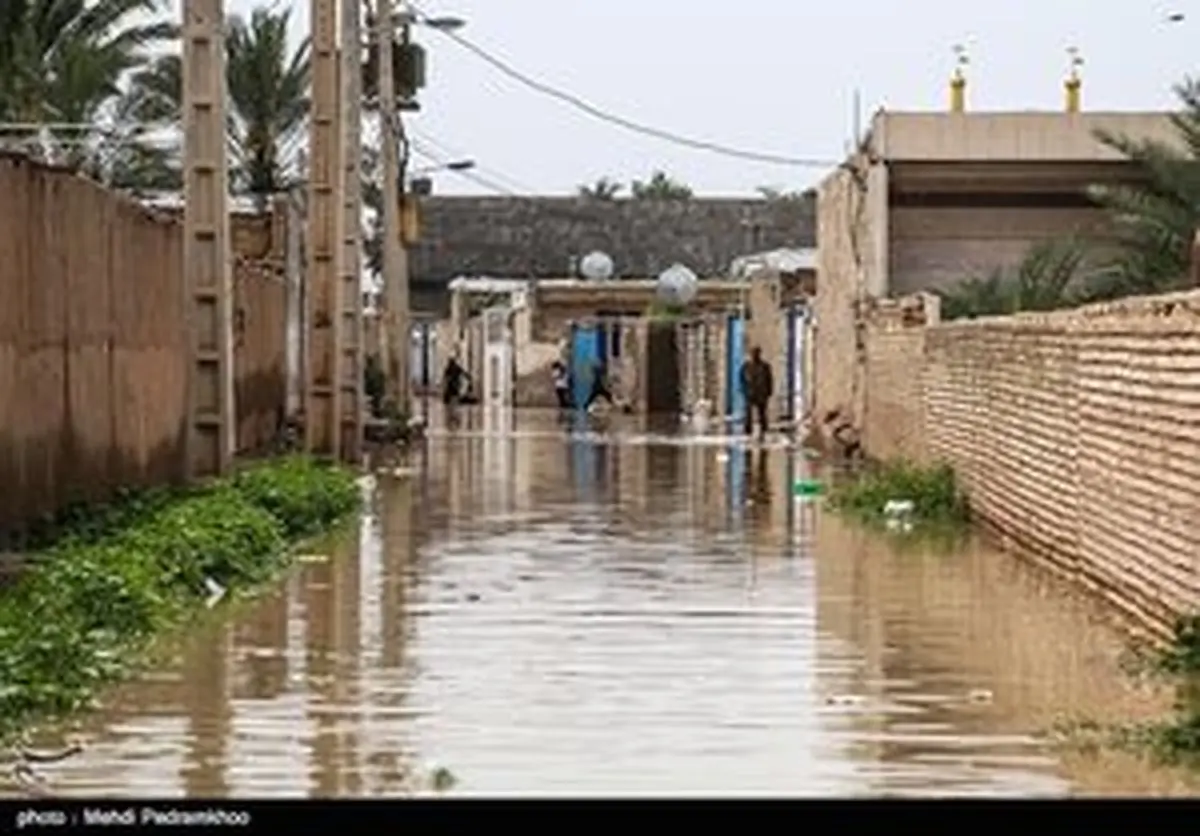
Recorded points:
417,137
487,183
604,116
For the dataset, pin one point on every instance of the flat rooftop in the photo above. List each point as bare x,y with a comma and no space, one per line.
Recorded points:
1031,136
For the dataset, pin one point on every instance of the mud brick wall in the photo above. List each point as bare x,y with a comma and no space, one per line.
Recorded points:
1076,434
94,330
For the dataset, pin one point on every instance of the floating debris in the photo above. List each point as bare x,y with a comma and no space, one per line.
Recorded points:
215,592
442,779
807,487
30,780
980,695
312,558
35,756
846,699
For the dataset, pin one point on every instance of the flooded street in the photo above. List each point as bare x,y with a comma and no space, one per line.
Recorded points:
543,616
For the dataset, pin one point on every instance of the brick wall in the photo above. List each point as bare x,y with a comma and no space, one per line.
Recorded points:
1075,433
894,423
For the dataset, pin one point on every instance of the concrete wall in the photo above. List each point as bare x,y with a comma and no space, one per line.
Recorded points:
519,237
1043,137
849,230
936,248
1074,432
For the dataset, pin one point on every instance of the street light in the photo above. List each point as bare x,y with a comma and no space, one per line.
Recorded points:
447,23
456,165
443,23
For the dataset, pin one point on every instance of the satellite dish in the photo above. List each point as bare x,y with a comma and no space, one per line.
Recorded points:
677,285
596,266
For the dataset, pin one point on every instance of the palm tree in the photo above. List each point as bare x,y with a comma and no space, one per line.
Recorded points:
1044,280
268,100
63,61
1156,217
605,188
660,186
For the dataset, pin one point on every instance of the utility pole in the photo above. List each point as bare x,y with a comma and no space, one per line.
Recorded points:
395,258
352,334
322,418
207,264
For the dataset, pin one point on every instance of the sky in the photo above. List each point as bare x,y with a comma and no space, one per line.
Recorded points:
771,76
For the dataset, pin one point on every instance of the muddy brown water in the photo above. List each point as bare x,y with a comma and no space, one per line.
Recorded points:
607,616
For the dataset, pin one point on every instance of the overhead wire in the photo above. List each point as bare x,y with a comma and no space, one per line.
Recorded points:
613,119
418,137
478,179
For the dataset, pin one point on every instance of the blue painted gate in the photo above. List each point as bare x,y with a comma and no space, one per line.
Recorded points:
735,349
585,353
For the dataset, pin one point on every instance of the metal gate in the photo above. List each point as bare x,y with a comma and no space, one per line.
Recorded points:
797,330
497,358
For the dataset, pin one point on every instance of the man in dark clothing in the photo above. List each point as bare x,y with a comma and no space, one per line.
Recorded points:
452,382
758,384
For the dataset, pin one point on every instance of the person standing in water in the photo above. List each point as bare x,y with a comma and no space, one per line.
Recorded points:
453,378
758,384
599,386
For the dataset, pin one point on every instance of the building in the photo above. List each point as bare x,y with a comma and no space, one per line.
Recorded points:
530,237
931,199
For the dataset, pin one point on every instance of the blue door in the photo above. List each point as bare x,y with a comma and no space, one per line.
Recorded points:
585,354
735,398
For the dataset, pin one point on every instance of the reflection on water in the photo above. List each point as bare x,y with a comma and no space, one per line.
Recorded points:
544,612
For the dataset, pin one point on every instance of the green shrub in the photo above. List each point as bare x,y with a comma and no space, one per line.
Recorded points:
933,491
118,575
87,523
302,494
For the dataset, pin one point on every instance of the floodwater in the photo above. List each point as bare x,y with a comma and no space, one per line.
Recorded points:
612,617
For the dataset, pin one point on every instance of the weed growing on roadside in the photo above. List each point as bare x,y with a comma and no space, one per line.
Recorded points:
933,492
111,582
1174,741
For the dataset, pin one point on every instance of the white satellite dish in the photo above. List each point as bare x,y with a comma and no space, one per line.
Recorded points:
677,285
596,266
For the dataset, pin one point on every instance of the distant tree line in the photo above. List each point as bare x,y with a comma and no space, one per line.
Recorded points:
662,186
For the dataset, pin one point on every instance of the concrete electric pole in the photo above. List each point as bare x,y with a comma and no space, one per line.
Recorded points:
395,258
324,409
207,264
352,333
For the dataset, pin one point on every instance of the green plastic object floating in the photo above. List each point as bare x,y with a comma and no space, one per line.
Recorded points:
807,487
